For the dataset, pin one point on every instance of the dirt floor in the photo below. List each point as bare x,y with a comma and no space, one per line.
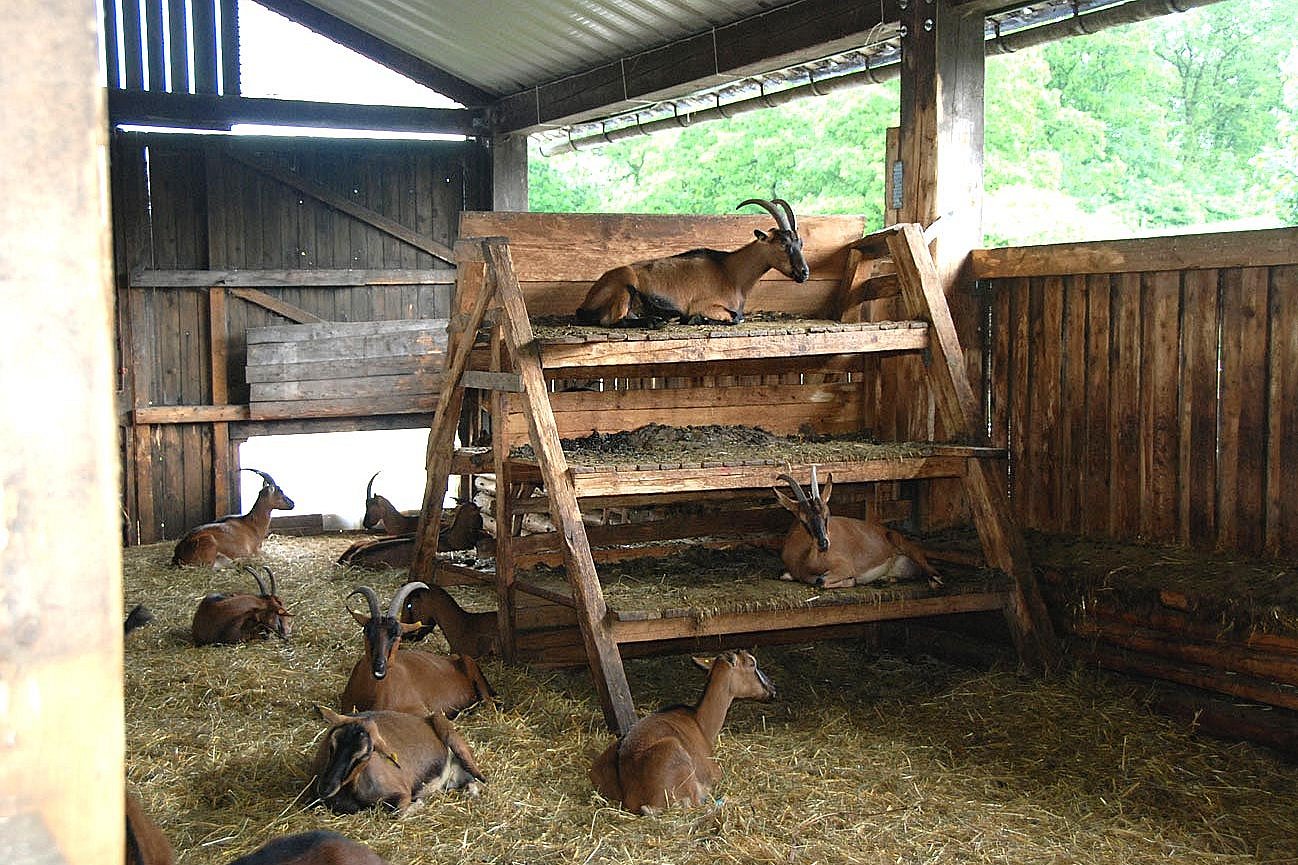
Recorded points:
866,756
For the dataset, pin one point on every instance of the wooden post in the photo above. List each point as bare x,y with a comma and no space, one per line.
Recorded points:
60,686
941,149
509,172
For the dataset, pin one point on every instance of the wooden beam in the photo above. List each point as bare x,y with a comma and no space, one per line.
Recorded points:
772,39
369,45
1267,248
328,278
347,206
210,111
274,304
166,414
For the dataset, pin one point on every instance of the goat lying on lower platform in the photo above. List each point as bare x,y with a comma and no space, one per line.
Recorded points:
667,756
473,634
420,683
320,847
391,758
236,536
837,552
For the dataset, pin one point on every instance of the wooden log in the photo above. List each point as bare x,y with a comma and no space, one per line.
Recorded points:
1219,656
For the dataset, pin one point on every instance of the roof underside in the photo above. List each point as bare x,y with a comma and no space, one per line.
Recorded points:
504,46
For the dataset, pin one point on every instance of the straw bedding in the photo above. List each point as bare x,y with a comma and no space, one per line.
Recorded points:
866,757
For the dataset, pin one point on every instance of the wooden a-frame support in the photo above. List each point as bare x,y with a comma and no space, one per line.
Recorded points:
487,281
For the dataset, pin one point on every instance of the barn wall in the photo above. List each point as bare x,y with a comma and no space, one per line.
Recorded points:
271,214
1149,389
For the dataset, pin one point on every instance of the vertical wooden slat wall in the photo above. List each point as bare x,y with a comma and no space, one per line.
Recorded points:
197,204
1155,405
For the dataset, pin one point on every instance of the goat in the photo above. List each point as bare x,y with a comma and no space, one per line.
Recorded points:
473,634
838,552
667,757
701,286
391,758
145,843
240,617
319,847
420,683
233,537
397,551
378,510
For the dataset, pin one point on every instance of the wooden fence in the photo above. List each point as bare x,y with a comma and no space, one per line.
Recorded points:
1148,389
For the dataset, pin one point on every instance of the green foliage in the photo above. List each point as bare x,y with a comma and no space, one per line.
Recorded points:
1187,119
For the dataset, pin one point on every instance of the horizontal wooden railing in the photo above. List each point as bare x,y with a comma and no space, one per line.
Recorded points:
1149,388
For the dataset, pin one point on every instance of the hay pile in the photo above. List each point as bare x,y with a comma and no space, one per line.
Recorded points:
865,758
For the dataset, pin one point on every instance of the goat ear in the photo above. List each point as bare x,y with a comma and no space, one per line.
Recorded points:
361,618
759,234
330,716
702,663
783,499
828,489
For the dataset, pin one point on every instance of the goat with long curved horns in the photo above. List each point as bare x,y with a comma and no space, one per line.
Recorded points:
837,552
702,286
420,683
379,511
220,542
239,617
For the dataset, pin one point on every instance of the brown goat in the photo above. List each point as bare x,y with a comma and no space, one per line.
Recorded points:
420,683
233,537
667,757
837,552
702,286
319,847
380,511
392,759
397,551
473,634
145,843
240,617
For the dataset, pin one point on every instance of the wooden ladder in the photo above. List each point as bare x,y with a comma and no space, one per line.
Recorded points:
487,281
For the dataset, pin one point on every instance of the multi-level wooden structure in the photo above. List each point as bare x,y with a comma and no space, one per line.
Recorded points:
516,267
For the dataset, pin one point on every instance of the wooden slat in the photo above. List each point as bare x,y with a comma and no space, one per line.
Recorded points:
1282,469
1160,428
1019,395
1241,474
1270,247
275,305
433,329
1044,429
305,278
1095,496
170,414
1124,447
349,388
732,347
342,407
1199,407
1073,404
423,365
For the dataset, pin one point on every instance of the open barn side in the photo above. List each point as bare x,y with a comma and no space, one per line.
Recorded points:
217,237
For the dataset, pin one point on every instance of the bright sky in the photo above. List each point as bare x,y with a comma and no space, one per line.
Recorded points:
283,59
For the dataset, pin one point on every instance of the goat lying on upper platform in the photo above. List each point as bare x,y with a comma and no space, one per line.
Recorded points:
837,552
667,756
702,286
233,537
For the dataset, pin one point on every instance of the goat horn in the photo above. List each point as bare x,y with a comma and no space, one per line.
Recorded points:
256,576
264,476
795,486
788,209
815,484
271,575
777,215
369,487
400,597
371,597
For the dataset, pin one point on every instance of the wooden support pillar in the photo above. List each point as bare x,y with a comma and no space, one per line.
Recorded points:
509,172
61,768
941,151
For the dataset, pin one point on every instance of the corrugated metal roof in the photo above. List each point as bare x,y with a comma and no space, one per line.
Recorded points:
503,46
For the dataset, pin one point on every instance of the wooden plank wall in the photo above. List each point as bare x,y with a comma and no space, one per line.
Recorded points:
1147,403
189,205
